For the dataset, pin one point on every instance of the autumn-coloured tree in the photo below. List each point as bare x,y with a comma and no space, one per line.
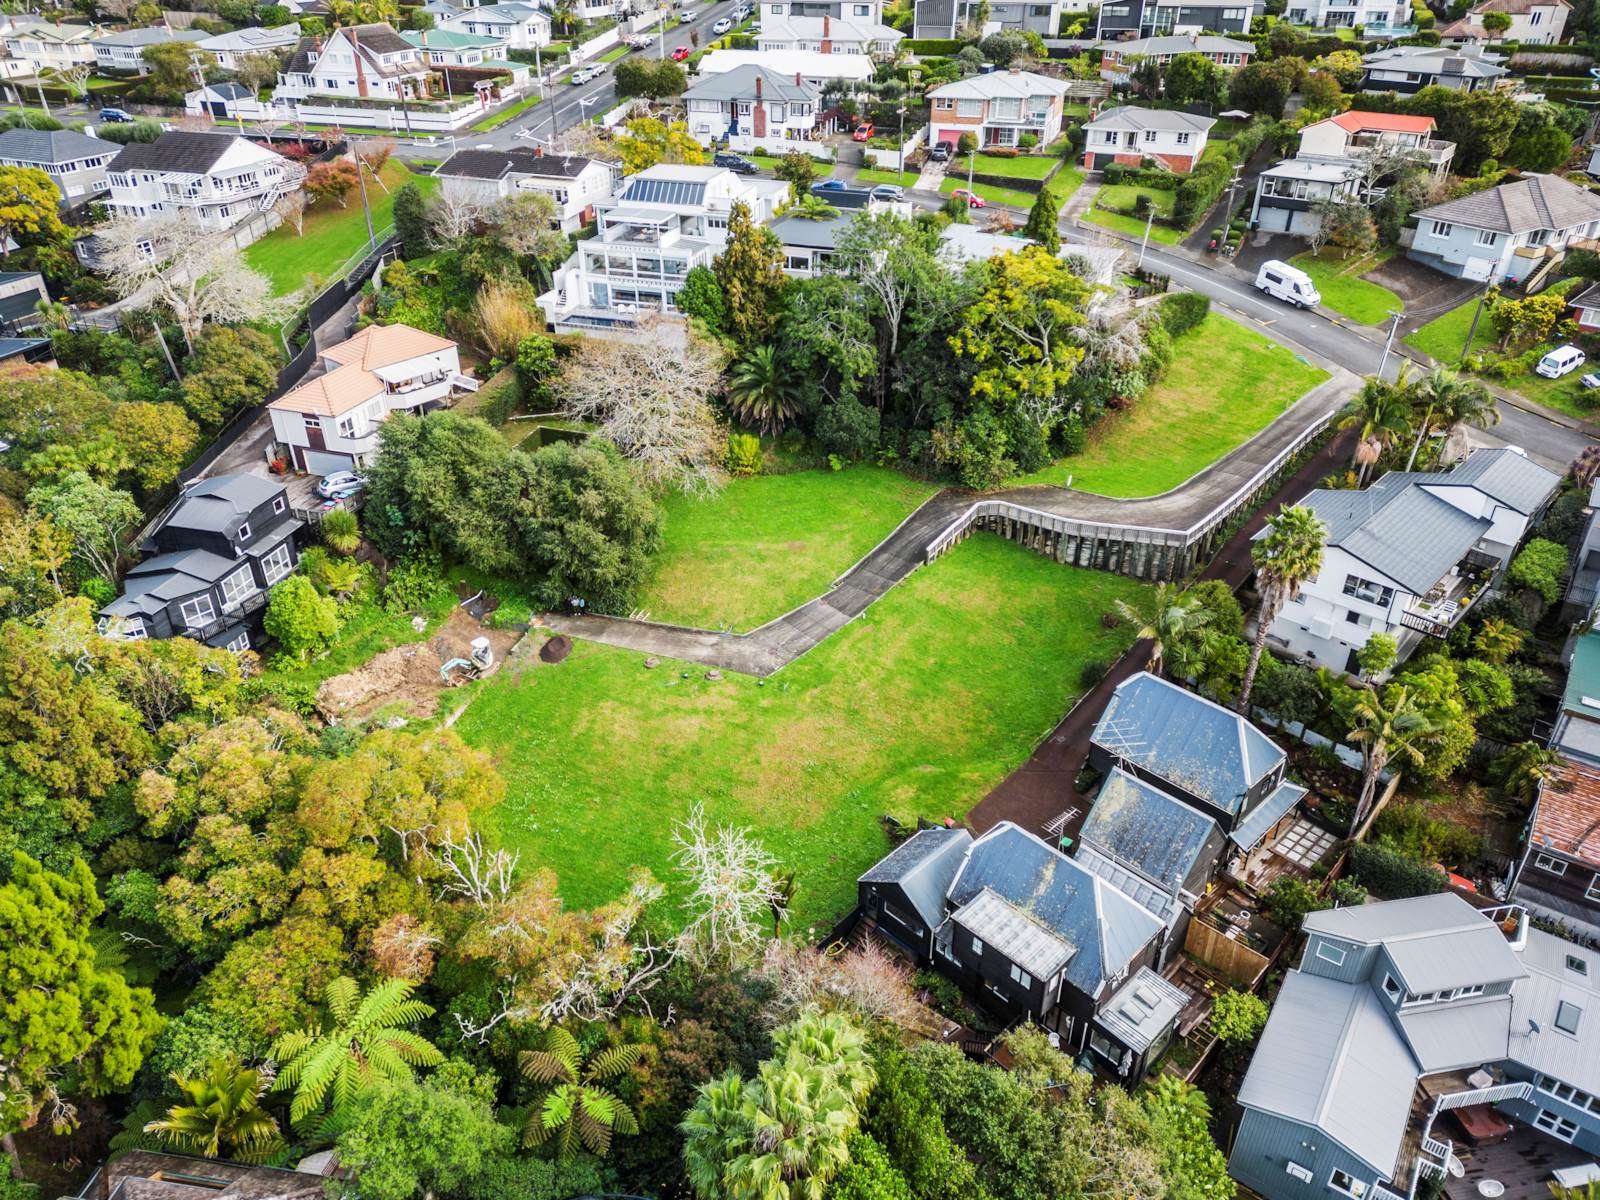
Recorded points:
332,181
29,208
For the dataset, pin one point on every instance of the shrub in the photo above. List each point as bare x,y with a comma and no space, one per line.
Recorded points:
1028,141
1183,311
1238,1017
1142,204
302,621
98,590
1093,672
1289,899
1115,172
417,585
744,454
848,428
1539,568
340,532
1390,876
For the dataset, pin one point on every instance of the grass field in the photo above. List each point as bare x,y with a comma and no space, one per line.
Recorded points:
769,543
1226,384
1022,167
1126,195
920,707
495,120
1343,290
880,175
332,234
1063,185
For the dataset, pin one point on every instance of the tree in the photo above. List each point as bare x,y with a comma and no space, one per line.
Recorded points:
1169,616
1345,66
156,440
761,392
221,1115
1382,413
896,265
1539,567
1262,86
433,478
1377,656
291,207
302,621
1190,1162
1527,321
798,169
257,71
333,180
170,68
1044,219
1195,79
1497,640
1546,147
1345,224
411,221
750,271
366,1043
32,553
1320,92
701,298
62,1011
29,209
1238,1017
1495,24
95,517
1480,123
733,885
1287,557
1387,725
1522,770
407,1139
1452,402
577,1108
231,369
647,141
537,367
649,78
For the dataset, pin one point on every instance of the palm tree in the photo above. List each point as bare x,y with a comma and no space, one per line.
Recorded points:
366,1043
1289,555
1453,403
1497,640
1523,769
222,1115
1388,725
577,1109
1169,617
761,392
1382,413
564,15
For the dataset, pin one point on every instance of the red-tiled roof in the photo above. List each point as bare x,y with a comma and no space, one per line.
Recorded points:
1568,817
1355,122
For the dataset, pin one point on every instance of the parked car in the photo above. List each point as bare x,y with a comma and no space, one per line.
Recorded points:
830,185
680,53
888,191
972,198
742,12
722,26
863,132
942,151
737,163
340,485
115,116
642,41
1590,381
581,76
1289,284
1563,360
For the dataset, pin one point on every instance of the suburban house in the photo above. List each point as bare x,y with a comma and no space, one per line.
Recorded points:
866,12
1558,875
156,1175
27,352
358,61
1407,1024
21,293
1378,17
123,51
1411,68
575,183
967,243
752,108
1583,588
1158,18
52,47
1585,305
330,422
944,18
809,244
1287,195
1126,134
209,562
1576,734
1119,58
231,48
221,101
75,162
824,35
1359,135
218,179
1408,555
1507,232
848,72
998,108
451,48
1032,933
667,219
515,26
1539,22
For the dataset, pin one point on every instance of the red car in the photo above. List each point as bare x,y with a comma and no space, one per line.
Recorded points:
863,132
973,200
681,53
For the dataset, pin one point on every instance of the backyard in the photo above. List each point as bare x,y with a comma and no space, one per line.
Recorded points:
1339,280
766,544
918,708
1225,385
332,234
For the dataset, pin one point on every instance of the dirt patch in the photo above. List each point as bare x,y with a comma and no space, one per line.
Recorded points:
408,677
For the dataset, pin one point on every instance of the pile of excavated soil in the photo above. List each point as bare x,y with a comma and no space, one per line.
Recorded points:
408,676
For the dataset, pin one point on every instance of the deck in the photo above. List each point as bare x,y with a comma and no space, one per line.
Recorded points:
1522,1163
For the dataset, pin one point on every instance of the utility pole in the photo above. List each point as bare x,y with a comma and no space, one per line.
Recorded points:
372,237
1388,342
1473,332
1145,244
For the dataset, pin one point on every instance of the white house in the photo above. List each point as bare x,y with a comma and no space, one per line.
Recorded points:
229,49
1409,555
866,12
330,422
575,183
849,71
824,35
516,26
667,220
219,179
999,108
1506,232
446,49
1357,135
1408,69
1539,22
1374,16
52,47
123,51
368,62
1128,134
1118,59
752,108
75,162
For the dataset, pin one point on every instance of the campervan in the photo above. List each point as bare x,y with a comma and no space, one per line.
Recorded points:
1289,284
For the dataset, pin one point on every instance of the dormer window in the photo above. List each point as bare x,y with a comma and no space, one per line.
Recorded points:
1568,1017
279,504
1392,988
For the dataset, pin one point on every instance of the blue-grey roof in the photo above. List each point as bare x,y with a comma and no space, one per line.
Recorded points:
1399,529
52,146
152,35
679,193
923,865
1435,942
1106,928
1141,827
1143,1009
1266,814
10,347
156,582
741,84
220,504
1185,739
1510,477
814,235
1164,903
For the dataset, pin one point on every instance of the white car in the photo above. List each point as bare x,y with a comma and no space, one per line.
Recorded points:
1590,381
722,26
340,485
582,75
1563,360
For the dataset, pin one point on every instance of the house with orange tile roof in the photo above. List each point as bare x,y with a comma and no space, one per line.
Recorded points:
1357,135
1558,875
330,422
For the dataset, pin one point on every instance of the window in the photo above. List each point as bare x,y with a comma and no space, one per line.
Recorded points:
969,108
1555,1126
1593,890
275,565
1352,617
1183,139
1568,1015
1466,993
977,946
236,587
197,612
1442,228
1330,952
1149,135
131,628
1365,590
1343,1181
279,504
244,532
1545,862
312,422
1391,987
1578,966
1020,976
347,427
240,643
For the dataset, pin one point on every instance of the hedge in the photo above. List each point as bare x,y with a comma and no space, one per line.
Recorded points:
1391,876
1422,15
941,46
1152,177
1183,311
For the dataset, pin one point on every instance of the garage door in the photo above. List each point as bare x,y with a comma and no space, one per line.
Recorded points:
950,135
320,462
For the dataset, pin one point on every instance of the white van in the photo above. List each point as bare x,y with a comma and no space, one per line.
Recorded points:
1559,362
1289,284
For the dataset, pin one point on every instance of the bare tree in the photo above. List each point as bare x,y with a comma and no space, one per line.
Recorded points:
452,219
525,224
733,889
372,153
473,872
620,963
649,397
292,208
197,273
863,980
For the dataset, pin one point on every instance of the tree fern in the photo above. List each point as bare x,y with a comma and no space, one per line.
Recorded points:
577,1110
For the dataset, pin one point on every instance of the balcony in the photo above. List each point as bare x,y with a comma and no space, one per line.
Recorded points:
1432,151
251,603
1437,613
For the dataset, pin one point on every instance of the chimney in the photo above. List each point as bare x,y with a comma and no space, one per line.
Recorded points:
361,74
758,85
798,82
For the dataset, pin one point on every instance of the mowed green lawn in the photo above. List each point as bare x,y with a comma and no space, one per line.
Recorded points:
332,234
919,708
1225,385
1123,195
1343,290
767,544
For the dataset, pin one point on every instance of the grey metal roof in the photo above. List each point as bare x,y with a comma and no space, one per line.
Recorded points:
1185,739
219,504
496,164
1403,532
1507,475
1180,43
814,235
1435,942
1330,1058
923,865
155,35
1162,902
1266,814
1534,1040
1142,827
1589,297
1431,60
52,146
1532,202
1129,116
229,91
680,193
1142,1010
182,151
1106,926
1021,937
741,84
10,347
1450,1037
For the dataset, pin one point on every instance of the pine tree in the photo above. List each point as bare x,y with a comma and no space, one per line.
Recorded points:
1043,221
